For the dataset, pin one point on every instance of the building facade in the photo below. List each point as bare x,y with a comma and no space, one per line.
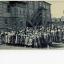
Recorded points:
39,13
3,16
15,15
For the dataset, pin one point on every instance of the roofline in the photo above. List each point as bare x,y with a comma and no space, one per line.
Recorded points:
47,2
13,2
6,2
22,2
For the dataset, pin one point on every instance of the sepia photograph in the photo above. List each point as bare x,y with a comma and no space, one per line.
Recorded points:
31,25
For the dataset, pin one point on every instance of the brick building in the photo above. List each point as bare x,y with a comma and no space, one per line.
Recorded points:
16,15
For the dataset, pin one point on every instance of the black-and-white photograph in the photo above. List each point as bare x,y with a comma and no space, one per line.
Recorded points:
31,25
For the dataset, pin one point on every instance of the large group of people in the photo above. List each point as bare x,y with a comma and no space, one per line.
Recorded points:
32,37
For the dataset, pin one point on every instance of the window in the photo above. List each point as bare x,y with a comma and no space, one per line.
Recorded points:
44,5
1,8
20,11
47,7
1,19
40,4
6,21
30,12
8,8
30,2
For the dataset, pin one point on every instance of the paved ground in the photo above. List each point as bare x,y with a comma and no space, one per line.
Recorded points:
54,47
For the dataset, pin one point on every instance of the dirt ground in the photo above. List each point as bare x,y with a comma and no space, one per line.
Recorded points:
53,47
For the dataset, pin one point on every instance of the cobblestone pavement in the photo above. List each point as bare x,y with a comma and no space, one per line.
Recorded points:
55,46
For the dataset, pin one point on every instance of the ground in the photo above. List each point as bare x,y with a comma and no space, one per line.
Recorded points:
54,47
